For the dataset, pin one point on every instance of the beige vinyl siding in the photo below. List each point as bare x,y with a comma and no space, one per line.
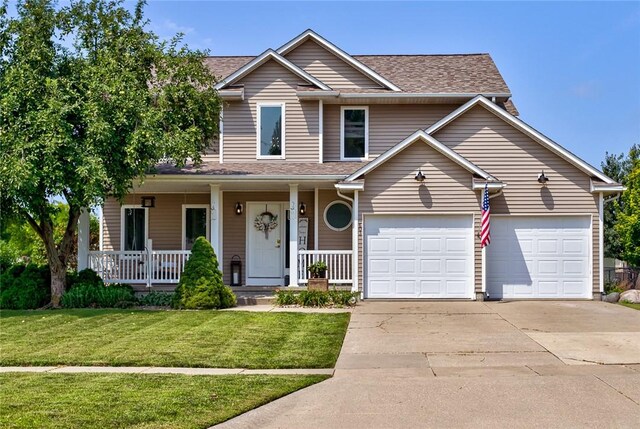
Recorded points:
388,125
516,159
329,239
234,228
328,68
165,219
270,83
391,188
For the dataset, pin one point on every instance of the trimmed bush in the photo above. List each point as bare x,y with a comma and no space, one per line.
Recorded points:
25,287
92,295
201,283
157,299
317,298
86,276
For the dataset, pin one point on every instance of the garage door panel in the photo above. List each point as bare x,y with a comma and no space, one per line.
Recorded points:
379,244
426,256
539,257
407,245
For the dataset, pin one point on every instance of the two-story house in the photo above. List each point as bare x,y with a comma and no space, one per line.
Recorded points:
377,165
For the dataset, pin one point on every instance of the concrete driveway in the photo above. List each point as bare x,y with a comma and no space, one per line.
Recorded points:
473,364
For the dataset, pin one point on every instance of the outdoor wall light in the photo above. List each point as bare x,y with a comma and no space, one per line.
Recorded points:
239,209
542,179
303,209
420,177
148,202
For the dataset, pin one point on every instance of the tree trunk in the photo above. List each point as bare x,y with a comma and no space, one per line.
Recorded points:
57,256
58,280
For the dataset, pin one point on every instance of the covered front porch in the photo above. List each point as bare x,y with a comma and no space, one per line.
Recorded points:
264,232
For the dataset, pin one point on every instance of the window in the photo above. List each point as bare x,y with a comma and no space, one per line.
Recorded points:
134,228
337,215
354,133
195,223
271,130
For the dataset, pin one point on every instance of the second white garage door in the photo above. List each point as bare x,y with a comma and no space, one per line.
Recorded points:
539,257
418,256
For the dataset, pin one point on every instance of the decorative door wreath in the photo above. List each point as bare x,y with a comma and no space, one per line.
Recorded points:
266,222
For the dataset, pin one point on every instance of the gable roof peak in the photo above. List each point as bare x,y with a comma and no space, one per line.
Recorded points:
309,34
267,55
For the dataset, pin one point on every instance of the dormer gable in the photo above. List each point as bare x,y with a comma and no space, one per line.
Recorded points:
327,62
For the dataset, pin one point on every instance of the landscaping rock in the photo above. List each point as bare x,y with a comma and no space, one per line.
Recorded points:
632,295
612,297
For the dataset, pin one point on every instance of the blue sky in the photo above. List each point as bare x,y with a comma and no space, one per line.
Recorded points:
573,67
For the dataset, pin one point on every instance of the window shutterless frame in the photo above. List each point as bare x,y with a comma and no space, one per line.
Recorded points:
123,210
259,107
184,221
326,211
366,132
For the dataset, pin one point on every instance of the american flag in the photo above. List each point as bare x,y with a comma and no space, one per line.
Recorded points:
485,235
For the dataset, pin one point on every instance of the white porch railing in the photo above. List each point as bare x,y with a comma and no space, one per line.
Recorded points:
339,265
139,266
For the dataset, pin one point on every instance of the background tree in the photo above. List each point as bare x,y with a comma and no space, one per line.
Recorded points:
628,224
90,101
20,243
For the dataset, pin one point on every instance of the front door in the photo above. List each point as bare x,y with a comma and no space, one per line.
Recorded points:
265,250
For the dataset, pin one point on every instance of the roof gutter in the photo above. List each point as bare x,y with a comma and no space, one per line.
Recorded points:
194,177
422,95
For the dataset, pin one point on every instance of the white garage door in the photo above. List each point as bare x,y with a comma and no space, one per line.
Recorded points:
539,257
419,256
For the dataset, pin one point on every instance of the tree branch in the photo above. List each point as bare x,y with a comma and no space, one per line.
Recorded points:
32,222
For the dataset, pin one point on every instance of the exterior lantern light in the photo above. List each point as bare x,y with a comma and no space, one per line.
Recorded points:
236,270
303,209
420,176
239,208
542,179
148,202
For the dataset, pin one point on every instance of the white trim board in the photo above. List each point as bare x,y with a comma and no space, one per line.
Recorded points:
310,34
429,140
267,55
524,128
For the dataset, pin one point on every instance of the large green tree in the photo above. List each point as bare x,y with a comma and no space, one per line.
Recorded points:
90,101
628,224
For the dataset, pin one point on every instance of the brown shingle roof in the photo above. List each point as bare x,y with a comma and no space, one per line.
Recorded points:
264,168
465,73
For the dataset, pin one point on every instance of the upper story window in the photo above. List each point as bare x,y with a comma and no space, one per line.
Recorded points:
354,133
271,130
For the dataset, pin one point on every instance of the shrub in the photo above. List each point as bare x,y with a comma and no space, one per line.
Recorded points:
86,276
611,286
91,295
286,297
24,287
201,283
157,299
317,298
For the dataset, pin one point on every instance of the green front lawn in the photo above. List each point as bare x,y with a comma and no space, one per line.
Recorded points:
68,401
630,305
171,338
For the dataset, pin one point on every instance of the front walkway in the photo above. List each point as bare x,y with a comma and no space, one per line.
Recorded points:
472,364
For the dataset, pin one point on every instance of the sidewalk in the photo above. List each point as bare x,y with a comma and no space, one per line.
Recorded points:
165,370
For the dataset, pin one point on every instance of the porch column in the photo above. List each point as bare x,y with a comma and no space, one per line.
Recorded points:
84,239
293,235
216,221
354,242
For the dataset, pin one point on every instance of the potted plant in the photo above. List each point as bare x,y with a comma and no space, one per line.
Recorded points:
318,270
317,276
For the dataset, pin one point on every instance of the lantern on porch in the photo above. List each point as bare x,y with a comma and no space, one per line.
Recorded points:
236,270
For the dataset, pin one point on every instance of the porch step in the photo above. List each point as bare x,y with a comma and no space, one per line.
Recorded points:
255,299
